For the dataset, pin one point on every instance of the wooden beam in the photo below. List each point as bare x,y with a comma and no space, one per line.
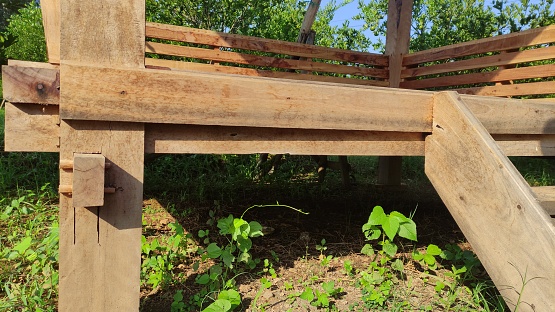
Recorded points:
526,144
535,88
100,247
493,205
515,40
25,84
509,58
161,96
218,39
399,17
546,196
192,139
309,17
210,68
260,60
51,23
31,128
499,75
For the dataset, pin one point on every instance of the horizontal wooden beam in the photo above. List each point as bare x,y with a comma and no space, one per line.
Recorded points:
483,77
509,58
218,39
31,84
530,88
31,128
261,60
498,43
546,196
161,96
177,139
213,68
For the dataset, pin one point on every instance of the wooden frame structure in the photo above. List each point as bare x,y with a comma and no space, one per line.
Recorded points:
101,109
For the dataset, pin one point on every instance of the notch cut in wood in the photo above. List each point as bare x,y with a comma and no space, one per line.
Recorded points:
88,180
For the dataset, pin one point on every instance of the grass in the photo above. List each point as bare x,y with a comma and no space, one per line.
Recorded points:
190,195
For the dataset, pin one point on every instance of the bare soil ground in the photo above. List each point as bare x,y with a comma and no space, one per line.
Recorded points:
336,214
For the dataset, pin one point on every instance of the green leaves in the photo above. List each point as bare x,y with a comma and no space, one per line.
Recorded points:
393,224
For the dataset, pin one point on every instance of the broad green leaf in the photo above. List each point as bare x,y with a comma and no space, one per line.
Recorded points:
323,300
372,232
328,287
433,250
226,225
307,294
228,258
232,296
367,250
244,244
389,248
398,265
203,279
213,251
23,245
408,230
220,305
244,257
390,227
256,229
377,216
399,216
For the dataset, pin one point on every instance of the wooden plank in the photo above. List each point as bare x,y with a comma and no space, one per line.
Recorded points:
512,116
260,60
31,128
88,180
399,19
510,58
179,65
530,88
30,84
218,39
100,248
88,39
546,196
492,204
51,23
164,138
309,17
498,43
541,71
161,96
526,144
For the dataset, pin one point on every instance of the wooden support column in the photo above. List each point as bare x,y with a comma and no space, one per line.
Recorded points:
51,22
399,18
100,247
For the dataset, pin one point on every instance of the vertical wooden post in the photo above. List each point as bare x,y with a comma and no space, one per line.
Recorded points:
51,22
100,247
399,17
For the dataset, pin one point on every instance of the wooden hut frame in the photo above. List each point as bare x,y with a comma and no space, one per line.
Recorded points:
101,109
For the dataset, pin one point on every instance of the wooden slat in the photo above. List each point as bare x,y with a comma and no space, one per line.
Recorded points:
498,43
179,65
546,196
492,204
259,60
531,88
31,128
31,84
512,116
100,248
526,144
161,138
161,96
88,180
483,62
51,23
212,38
541,71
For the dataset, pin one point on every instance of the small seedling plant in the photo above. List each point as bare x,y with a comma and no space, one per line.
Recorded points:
377,281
